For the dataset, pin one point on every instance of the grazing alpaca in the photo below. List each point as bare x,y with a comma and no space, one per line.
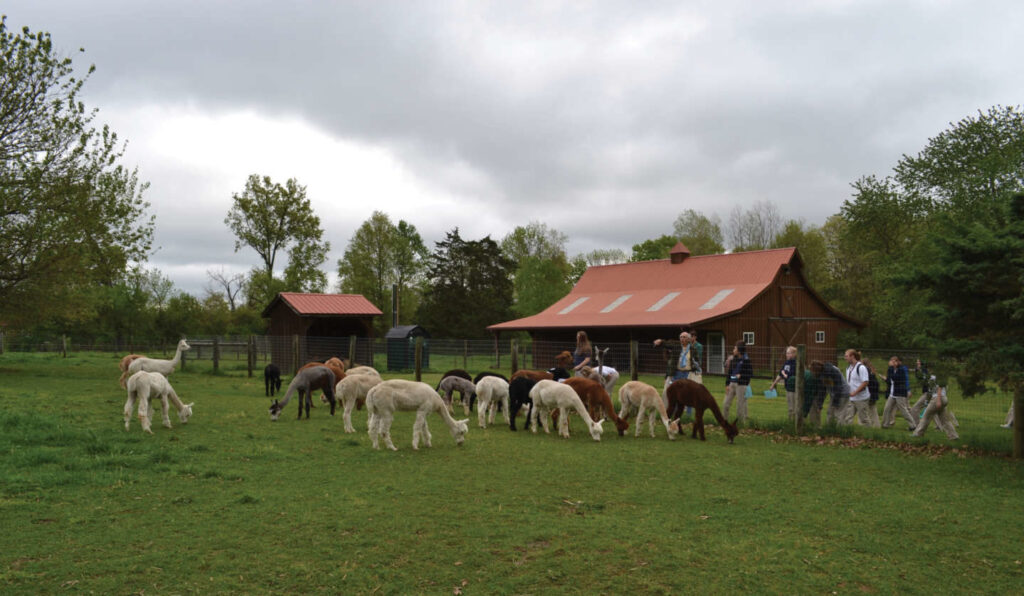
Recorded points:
127,360
550,395
337,362
465,387
492,392
685,392
305,382
271,379
351,392
397,394
363,370
476,379
147,386
597,401
164,367
551,374
339,374
639,397
605,375
519,396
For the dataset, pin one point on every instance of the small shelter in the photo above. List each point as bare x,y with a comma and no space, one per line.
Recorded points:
323,324
401,347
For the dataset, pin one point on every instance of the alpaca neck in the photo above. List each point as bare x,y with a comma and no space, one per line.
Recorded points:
442,409
582,411
713,406
174,399
177,358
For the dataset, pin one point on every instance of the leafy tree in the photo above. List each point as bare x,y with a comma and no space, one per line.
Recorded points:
754,228
381,254
535,239
604,256
261,288
701,234
70,215
809,240
542,269
653,249
469,287
270,217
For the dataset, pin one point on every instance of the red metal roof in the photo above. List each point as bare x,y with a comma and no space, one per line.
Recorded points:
660,293
326,304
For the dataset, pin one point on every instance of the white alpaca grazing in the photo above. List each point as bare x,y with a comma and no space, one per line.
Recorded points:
350,391
362,370
164,367
551,395
147,386
639,397
398,394
490,391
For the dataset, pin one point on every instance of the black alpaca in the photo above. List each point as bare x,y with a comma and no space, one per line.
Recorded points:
272,379
519,396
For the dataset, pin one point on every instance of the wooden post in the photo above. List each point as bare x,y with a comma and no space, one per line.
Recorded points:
216,354
497,353
295,354
250,354
1,341
634,359
515,355
801,362
419,357
183,360
465,354
1018,422
352,351
64,346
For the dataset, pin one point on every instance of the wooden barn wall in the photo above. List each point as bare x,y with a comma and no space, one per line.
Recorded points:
285,323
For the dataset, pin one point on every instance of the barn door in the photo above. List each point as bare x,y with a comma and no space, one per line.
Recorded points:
715,352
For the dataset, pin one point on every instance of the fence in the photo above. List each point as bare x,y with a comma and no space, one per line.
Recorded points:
981,418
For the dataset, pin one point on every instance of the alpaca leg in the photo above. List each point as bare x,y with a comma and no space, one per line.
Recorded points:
128,406
385,421
533,415
650,420
504,407
416,430
563,422
428,438
492,411
167,411
346,414
144,409
481,410
465,403
373,429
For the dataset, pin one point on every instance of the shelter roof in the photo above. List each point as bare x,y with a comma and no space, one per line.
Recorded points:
352,305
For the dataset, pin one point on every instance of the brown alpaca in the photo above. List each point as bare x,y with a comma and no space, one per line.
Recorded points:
684,393
563,360
597,401
553,374
337,362
127,360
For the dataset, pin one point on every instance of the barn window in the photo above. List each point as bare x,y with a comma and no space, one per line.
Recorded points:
615,304
748,338
819,337
569,308
713,302
665,300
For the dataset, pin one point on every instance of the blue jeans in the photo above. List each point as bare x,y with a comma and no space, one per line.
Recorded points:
683,374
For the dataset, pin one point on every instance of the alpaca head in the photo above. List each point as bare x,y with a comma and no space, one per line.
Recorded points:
459,430
185,412
183,345
275,410
621,426
563,360
673,429
596,429
730,429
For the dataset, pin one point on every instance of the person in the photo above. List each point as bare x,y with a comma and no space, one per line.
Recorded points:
873,392
740,371
788,376
938,408
835,386
1009,418
922,374
583,355
687,365
814,393
897,380
857,380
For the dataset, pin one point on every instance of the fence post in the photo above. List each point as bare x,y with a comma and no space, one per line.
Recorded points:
250,354
183,359
216,354
634,358
465,354
295,354
64,346
497,353
1018,422
352,350
419,357
1,341
515,355
801,361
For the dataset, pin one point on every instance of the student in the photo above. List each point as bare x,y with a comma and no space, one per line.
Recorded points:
873,392
897,379
740,371
938,408
857,380
835,386
788,375
584,353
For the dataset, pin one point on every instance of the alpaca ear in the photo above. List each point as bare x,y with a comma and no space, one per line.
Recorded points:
190,405
601,421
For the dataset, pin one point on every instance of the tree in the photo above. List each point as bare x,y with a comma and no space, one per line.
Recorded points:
70,215
653,249
269,218
542,270
754,228
535,239
469,287
379,255
604,256
702,235
810,242
230,284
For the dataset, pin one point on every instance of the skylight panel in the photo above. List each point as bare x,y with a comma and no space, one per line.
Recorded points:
615,304
720,296
569,309
665,300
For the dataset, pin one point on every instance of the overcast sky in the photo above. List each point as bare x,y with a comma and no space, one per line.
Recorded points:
604,120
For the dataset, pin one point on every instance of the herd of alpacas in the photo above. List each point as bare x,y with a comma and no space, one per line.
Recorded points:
548,397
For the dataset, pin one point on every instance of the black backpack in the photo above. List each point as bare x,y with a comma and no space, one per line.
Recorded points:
872,387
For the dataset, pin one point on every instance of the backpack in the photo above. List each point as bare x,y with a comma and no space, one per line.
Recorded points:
872,386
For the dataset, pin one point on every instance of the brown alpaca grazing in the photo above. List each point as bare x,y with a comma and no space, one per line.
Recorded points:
597,401
125,362
684,393
341,363
552,374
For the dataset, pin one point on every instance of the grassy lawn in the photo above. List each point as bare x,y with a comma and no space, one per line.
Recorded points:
233,503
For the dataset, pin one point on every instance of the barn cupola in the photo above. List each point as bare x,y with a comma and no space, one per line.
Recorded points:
678,253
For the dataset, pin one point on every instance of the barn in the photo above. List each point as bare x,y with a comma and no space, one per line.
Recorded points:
323,325
760,297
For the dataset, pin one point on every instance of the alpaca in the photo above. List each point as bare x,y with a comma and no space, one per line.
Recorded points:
597,401
363,370
351,392
337,362
563,360
127,360
462,374
550,395
685,392
476,379
146,386
271,379
164,367
639,397
465,387
519,396
492,391
398,394
552,374
605,375
339,374
305,381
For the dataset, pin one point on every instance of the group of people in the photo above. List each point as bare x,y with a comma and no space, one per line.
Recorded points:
853,394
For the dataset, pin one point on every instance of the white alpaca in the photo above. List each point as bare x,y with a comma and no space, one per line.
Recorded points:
147,386
164,367
362,370
550,395
639,397
350,391
398,394
490,391
605,375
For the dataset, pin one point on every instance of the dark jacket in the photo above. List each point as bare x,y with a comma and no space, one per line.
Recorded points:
741,370
789,367
897,381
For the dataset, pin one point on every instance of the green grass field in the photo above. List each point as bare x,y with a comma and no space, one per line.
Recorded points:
233,503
